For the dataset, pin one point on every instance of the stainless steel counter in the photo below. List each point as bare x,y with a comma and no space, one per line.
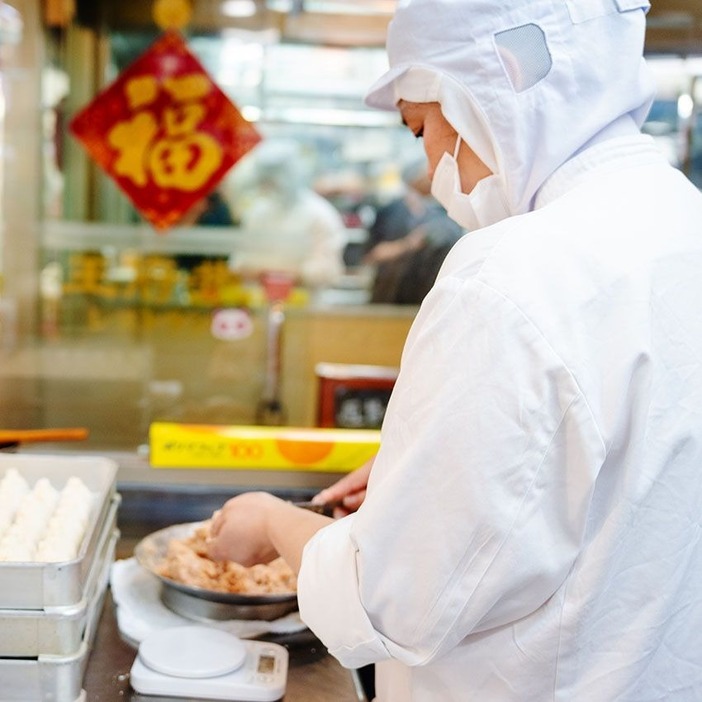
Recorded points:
313,675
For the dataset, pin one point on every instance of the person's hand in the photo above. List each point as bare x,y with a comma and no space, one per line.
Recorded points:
349,492
256,527
240,532
390,250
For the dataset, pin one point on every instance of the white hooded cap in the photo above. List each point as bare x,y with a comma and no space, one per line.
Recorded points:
526,83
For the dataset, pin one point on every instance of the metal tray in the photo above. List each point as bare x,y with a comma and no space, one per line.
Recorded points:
41,585
199,603
49,678
59,630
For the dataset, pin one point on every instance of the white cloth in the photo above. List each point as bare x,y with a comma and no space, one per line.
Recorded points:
531,531
140,610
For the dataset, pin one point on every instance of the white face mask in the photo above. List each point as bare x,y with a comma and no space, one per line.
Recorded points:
484,205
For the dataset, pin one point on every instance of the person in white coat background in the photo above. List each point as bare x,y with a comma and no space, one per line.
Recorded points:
531,526
287,226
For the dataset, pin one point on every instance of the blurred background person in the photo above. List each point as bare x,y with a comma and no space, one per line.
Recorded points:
287,227
211,211
409,240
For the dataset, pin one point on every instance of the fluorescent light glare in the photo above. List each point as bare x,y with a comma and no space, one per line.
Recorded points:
685,106
251,113
238,8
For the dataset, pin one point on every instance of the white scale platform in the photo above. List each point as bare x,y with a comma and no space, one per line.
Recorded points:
207,663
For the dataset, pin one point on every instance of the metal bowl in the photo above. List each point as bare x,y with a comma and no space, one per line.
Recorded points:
200,603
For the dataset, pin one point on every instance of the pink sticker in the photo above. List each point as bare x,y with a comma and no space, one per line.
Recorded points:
231,324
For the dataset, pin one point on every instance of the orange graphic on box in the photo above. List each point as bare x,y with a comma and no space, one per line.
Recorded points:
164,131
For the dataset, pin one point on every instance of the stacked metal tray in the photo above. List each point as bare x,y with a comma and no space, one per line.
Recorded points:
49,611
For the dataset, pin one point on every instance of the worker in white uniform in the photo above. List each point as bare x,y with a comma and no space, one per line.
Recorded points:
288,227
531,529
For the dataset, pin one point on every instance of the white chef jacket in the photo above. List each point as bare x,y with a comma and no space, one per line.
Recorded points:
531,531
532,525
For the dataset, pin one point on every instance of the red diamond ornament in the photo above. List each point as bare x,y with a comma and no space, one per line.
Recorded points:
164,131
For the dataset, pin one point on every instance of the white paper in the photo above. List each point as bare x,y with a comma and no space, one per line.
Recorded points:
137,594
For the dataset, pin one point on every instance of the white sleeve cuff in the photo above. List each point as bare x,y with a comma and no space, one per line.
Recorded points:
329,598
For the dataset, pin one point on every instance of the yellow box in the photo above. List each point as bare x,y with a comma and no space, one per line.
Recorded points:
175,445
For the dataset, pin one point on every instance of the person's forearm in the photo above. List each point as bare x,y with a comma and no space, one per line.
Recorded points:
290,528
256,527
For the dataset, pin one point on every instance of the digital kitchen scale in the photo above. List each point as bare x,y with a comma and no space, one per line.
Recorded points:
207,663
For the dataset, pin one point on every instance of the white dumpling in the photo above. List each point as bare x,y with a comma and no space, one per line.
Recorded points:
13,488
44,524
14,548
